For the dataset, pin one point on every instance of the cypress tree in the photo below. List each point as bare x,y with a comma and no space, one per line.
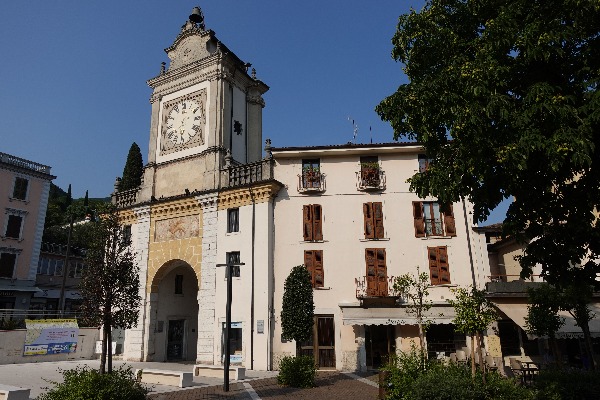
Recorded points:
69,196
132,173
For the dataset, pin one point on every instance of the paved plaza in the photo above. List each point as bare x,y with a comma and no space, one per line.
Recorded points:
258,385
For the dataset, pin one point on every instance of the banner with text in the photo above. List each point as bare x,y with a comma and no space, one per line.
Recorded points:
50,336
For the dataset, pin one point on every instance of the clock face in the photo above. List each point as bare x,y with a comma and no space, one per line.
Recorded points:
184,121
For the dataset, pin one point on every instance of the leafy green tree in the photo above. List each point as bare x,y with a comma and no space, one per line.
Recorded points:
415,290
110,283
133,170
504,98
542,315
473,314
297,310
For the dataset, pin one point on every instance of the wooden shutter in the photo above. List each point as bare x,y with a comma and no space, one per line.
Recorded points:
439,270
449,224
419,221
307,224
317,222
313,260
319,274
368,220
444,268
377,284
378,220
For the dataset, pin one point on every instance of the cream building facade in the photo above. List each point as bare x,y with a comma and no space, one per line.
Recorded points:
347,213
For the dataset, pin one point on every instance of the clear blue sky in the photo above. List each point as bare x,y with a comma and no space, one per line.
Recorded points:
73,92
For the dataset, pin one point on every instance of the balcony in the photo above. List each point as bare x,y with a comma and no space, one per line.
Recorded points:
372,287
311,182
370,178
246,174
125,198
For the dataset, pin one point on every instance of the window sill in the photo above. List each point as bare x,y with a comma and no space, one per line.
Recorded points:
314,241
11,238
436,237
232,233
446,285
375,240
25,201
322,288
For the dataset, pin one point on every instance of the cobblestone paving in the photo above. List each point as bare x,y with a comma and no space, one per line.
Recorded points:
329,385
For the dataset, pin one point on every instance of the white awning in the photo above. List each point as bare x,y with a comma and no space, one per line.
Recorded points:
518,311
394,316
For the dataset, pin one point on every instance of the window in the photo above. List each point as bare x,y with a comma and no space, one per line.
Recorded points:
377,282
439,270
126,235
75,269
312,222
311,174
13,226
233,257
423,162
178,284
20,188
233,220
8,262
313,260
373,220
431,219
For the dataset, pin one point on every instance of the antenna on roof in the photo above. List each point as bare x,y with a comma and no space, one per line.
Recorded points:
354,129
371,133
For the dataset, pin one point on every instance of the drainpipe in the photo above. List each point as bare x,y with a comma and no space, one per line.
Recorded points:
252,289
468,230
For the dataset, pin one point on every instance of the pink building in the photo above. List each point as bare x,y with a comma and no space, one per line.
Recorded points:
23,201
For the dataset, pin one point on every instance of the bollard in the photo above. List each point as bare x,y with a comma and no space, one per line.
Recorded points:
383,375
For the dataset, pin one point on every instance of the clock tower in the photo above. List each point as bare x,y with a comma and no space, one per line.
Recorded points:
206,104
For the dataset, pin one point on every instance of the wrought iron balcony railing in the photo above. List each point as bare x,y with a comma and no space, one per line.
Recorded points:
310,182
374,286
370,179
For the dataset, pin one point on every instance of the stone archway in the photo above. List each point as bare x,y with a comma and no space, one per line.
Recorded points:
174,313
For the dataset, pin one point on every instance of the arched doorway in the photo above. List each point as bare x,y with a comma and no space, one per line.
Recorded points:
175,312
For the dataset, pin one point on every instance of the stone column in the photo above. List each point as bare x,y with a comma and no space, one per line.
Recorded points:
207,287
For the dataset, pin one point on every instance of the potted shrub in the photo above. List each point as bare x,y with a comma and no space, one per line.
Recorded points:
311,176
369,173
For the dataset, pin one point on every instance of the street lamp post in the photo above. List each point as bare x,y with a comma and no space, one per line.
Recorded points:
228,273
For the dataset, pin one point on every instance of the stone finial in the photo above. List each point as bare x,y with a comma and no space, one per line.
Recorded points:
228,158
254,73
268,148
117,184
162,67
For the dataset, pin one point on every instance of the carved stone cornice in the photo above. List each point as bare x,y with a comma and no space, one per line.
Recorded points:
183,206
127,217
190,31
176,83
261,193
208,200
256,100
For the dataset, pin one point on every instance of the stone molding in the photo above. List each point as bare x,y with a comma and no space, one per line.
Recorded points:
186,205
243,196
128,217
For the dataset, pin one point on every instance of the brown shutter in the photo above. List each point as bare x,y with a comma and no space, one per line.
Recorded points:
419,221
319,275
317,222
378,220
443,266
307,223
434,271
449,224
371,272
382,282
368,221
309,264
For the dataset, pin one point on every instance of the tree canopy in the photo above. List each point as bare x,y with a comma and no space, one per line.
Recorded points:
297,310
110,283
133,170
503,95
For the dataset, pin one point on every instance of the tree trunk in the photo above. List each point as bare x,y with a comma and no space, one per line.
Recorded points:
480,353
109,347
103,355
473,356
585,327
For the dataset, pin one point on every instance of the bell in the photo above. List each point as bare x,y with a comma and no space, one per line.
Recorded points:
196,16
